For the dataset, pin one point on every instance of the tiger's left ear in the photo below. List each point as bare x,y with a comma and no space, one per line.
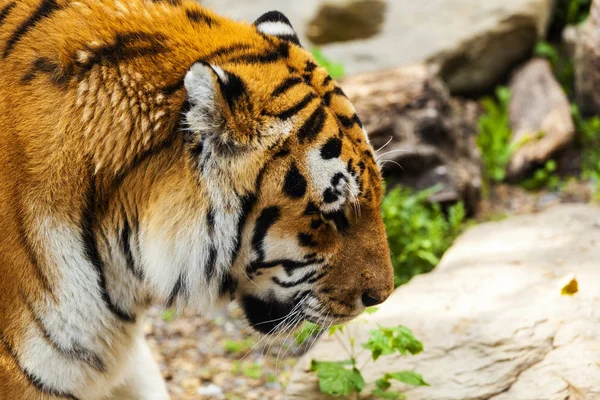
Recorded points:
275,23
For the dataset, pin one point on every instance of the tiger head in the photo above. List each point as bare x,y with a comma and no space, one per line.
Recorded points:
312,245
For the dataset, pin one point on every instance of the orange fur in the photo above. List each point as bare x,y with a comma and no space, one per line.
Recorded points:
91,96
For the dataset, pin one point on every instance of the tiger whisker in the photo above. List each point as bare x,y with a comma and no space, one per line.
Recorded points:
382,147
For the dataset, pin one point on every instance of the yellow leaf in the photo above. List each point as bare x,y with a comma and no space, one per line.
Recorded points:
569,286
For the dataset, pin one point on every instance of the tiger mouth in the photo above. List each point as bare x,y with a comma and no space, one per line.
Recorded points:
269,316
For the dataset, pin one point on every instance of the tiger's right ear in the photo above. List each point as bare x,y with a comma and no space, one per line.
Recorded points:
275,23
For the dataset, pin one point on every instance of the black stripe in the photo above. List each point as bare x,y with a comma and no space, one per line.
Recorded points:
326,80
210,220
288,265
44,10
6,11
349,122
310,67
209,271
291,284
125,242
46,66
93,255
339,219
170,2
125,47
197,16
175,292
327,97
248,203
77,351
287,84
313,126
280,53
228,285
294,184
306,240
264,222
290,112
172,88
227,51
33,380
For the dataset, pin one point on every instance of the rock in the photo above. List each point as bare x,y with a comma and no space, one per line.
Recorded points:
492,318
540,117
346,20
475,42
431,137
583,42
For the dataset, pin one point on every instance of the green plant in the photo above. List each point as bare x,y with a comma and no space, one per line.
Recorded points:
567,12
169,315
342,378
588,139
419,232
336,70
562,66
248,369
494,136
545,177
238,346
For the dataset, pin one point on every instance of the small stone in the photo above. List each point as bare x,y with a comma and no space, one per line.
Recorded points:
210,390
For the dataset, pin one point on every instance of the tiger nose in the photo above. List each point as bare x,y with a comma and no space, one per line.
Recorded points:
372,298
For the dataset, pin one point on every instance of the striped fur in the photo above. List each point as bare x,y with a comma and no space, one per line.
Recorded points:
154,152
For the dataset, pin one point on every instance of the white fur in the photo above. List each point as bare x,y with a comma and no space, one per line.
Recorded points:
276,28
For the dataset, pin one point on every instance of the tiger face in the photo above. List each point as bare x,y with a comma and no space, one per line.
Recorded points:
312,244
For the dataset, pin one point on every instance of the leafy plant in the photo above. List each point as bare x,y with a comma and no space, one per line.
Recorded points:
494,135
545,177
567,12
419,233
562,66
248,369
336,70
588,138
342,378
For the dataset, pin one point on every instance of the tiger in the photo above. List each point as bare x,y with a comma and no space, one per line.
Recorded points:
154,153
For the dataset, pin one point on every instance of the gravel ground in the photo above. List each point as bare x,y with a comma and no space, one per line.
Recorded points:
220,357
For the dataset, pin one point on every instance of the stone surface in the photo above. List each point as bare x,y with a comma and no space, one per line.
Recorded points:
474,41
584,47
540,117
431,136
343,21
492,318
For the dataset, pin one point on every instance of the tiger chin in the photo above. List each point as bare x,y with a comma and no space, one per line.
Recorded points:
152,152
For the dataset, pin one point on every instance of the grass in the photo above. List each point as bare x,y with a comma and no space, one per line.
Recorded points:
494,136
588,140
419,232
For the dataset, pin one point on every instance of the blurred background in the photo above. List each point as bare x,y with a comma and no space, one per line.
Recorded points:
485,117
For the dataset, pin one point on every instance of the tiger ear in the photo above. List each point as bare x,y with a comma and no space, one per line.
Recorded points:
275,23
204,82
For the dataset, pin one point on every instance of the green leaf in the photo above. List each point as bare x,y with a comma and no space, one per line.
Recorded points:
387,395
409,377
335,70
336,328
371,310
386,341
336,379
306,331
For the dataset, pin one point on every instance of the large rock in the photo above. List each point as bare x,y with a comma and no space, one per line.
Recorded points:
584,46
431,136
474,41
540,117
492,318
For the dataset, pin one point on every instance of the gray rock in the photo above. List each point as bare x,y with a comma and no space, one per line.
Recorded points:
431,136
475,42
540,117
492,318
583,43
347,20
